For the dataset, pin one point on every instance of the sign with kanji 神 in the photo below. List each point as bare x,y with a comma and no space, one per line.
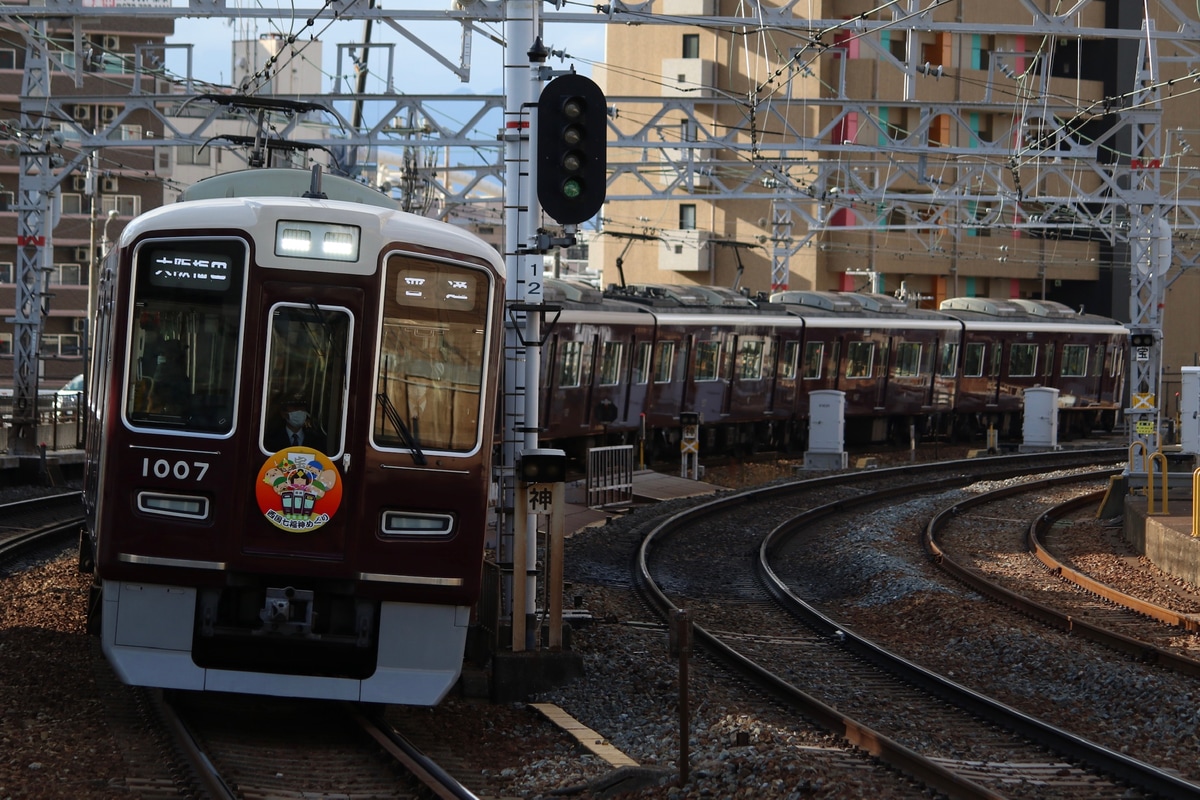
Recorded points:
541,497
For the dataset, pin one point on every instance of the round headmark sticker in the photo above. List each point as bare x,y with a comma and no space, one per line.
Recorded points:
298,489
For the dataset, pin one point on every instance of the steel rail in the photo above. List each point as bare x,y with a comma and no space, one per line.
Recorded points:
866,738
1033,537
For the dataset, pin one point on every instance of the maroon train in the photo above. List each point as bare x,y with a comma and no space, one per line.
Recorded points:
290,443
627,363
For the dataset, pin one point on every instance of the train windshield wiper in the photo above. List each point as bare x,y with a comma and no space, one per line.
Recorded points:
397,421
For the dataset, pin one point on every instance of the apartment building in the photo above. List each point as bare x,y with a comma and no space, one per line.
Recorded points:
126,181
894,214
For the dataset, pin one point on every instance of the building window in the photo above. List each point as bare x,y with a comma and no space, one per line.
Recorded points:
68,275
687,217
691,45
126,205
59,344
8,58
6,272
72,203
6,344
191,154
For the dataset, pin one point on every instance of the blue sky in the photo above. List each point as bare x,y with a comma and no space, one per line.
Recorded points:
416,72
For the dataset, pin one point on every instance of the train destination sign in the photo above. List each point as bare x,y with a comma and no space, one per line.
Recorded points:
178,269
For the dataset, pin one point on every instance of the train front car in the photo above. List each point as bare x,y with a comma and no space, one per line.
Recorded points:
288,484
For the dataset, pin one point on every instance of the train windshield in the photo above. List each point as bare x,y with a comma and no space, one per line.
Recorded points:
432,353
184,335
308,357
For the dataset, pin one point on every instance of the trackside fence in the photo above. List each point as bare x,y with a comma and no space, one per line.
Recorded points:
610,476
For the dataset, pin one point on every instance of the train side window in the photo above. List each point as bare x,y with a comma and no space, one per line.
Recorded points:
949,365
787,362
1117,366
860,359
185,335
750,360
973,363
1074,360
908,359
708,357
612,357
433,350
570,364
641,363
814,357
664,362
1022,361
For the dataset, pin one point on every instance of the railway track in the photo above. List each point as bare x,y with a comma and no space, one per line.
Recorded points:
250,747
29,524
1016,567
952,739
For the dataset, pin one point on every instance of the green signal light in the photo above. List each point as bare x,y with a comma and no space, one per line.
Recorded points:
572,188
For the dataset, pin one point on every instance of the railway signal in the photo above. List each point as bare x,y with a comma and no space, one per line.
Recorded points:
571,149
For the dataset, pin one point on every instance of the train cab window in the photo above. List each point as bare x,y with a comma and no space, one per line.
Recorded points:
641,363
1022,361
787,361
908,359
949,366
308,353
1074,360
973,361
708,359
184,335
814,357
433,350
750,360
664,362
860,359
570,364
612,357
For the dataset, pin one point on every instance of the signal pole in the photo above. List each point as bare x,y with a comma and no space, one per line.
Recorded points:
522,326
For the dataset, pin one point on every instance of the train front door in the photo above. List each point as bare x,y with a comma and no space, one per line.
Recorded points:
300,410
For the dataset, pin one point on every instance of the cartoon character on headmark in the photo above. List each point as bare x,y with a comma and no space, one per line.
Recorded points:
298,489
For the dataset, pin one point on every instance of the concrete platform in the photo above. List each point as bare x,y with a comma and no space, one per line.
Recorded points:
1165,539
648,487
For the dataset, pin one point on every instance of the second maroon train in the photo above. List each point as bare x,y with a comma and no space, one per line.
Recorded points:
627,363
